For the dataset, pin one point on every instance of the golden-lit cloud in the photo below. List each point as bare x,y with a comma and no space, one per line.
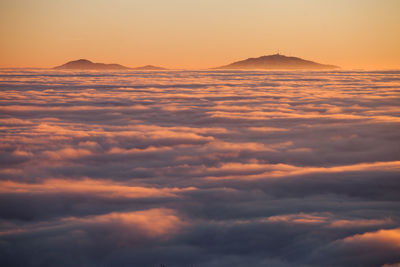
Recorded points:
382,238
152,223
108,189
210,168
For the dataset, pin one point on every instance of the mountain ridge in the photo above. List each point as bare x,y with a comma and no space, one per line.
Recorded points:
270,62
148,67
84,64
276,61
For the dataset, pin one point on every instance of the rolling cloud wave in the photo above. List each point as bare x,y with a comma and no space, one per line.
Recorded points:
211,168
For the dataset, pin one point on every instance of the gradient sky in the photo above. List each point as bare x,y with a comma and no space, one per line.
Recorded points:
199,34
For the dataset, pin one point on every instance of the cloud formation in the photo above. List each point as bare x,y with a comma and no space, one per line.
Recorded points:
210,168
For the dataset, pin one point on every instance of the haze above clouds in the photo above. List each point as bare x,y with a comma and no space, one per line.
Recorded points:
176,34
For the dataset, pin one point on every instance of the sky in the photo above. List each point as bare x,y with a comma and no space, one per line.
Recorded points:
199,34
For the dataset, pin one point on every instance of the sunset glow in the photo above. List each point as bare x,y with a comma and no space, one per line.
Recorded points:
205,133
362,34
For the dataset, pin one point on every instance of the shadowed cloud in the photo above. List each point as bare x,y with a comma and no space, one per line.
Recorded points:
211,168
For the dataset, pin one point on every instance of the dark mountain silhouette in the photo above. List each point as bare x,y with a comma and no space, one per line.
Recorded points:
276,61
84,64
149,67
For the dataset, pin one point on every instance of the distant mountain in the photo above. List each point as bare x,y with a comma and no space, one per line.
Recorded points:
84,64
149,67
277,61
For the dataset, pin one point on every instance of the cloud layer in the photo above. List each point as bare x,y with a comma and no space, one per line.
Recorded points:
210,168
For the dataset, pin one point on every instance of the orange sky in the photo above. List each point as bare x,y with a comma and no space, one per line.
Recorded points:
199,33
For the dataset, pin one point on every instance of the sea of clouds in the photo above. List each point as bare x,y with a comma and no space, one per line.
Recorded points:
202,168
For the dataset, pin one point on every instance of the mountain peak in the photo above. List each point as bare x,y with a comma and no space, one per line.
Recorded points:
149,67
82,61
84,64
277,61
